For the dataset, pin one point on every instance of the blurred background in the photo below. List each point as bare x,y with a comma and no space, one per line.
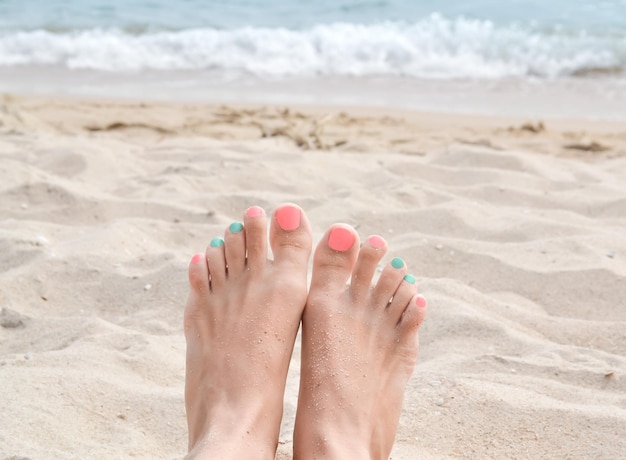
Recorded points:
520,56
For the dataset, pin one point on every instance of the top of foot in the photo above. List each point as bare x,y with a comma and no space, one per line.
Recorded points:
359,347
241,321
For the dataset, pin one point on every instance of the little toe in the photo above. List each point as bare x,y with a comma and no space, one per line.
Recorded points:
413,314
235,248
217,263
199,275
369,256
255,222
290,237
388,283
335,257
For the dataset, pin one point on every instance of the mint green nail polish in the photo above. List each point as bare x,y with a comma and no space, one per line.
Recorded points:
409,279
235,227
217,242
397,262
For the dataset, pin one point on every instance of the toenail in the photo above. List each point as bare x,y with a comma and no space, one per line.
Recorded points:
217,242
340,239
409,279
376,241
288,218
235,227
197,258
420,301
254,211
397,262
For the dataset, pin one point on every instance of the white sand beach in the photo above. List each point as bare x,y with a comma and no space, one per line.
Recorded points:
514,227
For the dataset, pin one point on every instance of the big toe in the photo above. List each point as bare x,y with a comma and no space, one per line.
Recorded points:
290,237
335,257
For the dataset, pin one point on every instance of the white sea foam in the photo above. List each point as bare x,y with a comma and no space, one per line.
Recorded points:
435,47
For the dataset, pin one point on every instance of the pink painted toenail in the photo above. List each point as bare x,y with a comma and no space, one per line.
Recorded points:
376,241
420,301
340,239
197,258
288,218
254,211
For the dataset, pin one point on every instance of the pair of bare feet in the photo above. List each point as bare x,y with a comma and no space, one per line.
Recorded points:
359,342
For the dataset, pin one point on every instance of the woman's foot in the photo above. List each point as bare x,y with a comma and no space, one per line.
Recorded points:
359,347
241,321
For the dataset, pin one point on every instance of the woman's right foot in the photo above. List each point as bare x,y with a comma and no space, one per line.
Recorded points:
359,348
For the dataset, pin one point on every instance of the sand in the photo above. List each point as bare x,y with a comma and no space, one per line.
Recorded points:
515,229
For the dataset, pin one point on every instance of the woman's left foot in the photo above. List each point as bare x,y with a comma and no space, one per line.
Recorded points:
241,321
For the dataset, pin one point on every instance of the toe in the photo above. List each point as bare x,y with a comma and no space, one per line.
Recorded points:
388,283
217,263
407,330
199,275
401,298
290,237
335,257
199,290
413,315
235,248
369,256
255,222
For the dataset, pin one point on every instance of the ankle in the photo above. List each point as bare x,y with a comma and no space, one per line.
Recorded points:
233,447
330,446
332,439
236,434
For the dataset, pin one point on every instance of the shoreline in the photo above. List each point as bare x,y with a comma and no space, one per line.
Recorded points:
599,99
311,127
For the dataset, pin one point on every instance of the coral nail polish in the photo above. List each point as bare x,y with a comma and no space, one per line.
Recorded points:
288,218
340,239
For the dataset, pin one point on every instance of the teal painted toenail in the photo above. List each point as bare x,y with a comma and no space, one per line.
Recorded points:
217,242
235,227
409,279
397,262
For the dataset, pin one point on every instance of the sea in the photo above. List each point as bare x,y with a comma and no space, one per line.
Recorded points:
204,43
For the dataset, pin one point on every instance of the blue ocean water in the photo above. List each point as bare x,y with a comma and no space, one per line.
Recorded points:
444,39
